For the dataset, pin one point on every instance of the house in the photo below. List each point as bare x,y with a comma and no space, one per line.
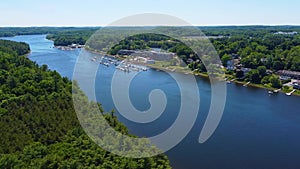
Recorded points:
155,55
287,73
235,56
286,33
126,52
190,60
296,84
284,78
233,64
149,61
269,72
246,70
230,64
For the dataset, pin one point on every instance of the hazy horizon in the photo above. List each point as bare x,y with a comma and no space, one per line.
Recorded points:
95,26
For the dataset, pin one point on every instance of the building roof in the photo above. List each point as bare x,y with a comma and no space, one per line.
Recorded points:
288,72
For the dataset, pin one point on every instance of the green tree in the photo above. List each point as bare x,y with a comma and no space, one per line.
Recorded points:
278,65
239,74
265,80
262,70
39,126
253,76
225,59
293,59
275,81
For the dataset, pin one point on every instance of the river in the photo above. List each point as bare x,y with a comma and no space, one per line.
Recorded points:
257,130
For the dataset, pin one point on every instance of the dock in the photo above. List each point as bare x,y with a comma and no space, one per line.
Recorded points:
290,93
245,85
277,90
127,66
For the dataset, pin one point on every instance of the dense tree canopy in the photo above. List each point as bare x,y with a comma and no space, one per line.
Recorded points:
39,126
68,37
14,31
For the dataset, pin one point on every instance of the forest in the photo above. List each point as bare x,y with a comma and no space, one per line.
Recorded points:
261,49
68,37
39,126
14,31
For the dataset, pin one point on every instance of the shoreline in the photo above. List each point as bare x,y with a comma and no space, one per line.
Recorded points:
260,86
202,75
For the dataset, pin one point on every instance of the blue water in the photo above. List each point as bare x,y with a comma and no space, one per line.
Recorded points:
257,131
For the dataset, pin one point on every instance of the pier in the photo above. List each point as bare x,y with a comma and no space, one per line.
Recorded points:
277,90
124,65
290,93
245,85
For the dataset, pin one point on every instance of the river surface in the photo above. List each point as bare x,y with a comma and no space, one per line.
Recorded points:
257,131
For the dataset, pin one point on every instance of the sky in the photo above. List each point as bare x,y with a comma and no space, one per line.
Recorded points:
102,13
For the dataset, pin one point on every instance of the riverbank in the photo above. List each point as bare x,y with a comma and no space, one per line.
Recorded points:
246,84
183,70
178,69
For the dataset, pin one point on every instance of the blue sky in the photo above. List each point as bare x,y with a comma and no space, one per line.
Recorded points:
196,12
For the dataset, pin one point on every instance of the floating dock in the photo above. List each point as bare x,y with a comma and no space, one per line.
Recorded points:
290,93
245,85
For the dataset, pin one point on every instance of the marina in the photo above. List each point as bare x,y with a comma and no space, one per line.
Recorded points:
124,65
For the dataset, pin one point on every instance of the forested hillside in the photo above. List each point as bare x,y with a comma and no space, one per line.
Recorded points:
68,37
39,127
14,31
